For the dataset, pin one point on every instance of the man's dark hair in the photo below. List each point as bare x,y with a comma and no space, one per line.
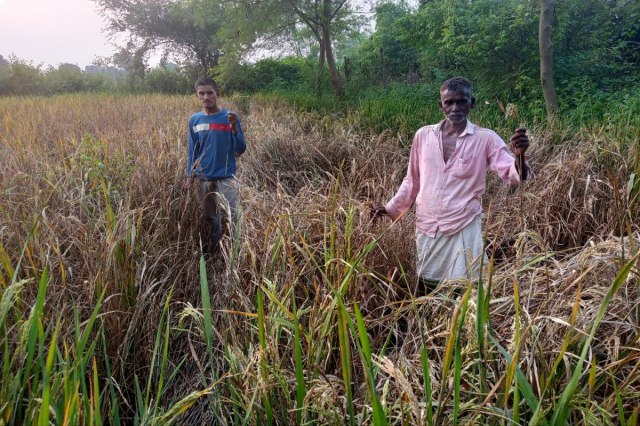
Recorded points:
206,81
457,83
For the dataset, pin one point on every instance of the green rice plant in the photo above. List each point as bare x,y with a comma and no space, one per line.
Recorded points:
457,367
426,374
149,403
515,359
300,384
206,311
482,316
345,362
45,408
452,354
263,365
58,384
95,418
379,417
114,409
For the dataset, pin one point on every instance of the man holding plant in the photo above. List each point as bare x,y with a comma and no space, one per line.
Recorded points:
215,140
446,178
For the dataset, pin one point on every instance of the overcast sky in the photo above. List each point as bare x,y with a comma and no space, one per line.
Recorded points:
51,32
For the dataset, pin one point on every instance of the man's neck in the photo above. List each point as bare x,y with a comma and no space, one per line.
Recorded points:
456,128
210,111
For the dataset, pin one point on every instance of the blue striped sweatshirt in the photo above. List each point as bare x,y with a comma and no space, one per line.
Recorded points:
212,146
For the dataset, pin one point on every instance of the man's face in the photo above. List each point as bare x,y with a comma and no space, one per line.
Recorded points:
456,104
208,96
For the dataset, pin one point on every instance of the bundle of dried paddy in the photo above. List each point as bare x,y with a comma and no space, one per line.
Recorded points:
568,202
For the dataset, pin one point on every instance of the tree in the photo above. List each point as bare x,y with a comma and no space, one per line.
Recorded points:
546,57
387,52
325,19
68,78
187,28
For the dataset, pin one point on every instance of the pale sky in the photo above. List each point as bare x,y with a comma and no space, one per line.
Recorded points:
51,32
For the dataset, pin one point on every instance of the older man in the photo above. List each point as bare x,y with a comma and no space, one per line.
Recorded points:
446,178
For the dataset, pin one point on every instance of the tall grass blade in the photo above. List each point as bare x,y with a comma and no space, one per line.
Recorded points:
45,407
449,354
633,418
345,362
263,361
95,397
525,387
458,355
426,374
514,361
114,402
481,327
300,385
619,404
206,311
379,417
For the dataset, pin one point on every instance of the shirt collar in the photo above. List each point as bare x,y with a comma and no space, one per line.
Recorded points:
468,130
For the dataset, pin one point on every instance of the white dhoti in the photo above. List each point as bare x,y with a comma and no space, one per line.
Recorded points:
451,256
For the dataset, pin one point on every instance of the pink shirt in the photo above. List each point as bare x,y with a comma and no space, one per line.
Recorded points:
447,196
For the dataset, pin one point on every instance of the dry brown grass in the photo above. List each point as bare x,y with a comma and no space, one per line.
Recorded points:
104,176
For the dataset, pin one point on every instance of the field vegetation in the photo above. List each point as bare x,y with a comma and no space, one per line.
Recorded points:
110,315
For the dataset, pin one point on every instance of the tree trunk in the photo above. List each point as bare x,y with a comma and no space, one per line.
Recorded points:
546,56
334,75
320,73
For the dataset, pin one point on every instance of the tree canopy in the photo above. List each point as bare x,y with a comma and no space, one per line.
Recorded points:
187,28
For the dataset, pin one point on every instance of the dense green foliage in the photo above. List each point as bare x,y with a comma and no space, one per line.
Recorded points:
391,75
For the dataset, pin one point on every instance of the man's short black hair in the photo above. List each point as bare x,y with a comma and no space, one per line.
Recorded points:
206,81
457,83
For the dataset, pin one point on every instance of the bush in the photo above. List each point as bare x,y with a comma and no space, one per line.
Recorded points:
163,79
68,78
21,78
269,74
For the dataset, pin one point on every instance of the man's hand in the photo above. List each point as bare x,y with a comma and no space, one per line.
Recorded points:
233,120
378,211
520,141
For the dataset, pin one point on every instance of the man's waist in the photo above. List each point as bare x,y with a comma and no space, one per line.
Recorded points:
448,223
214,179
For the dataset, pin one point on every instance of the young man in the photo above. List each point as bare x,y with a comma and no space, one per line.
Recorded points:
446,178
215,139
